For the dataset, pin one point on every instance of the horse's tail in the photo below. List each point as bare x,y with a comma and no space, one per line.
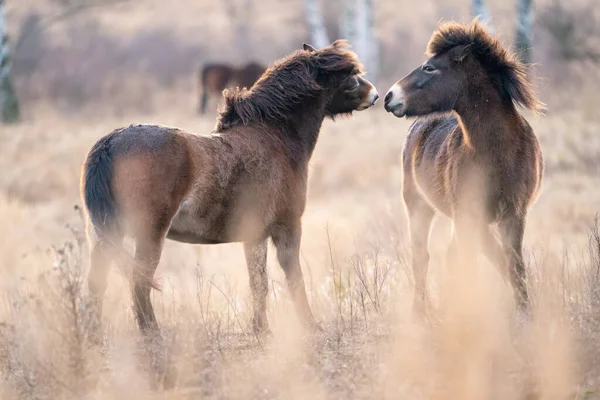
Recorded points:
96,189
100,204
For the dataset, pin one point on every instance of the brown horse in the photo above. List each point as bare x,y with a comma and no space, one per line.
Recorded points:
246,182
480,165
214,78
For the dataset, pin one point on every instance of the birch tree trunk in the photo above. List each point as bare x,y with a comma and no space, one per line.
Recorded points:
524,36
372,61
357,26
316,26
240,15
9,106
479,9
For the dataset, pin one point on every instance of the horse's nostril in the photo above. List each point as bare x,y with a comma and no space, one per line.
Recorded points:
375,98
388,97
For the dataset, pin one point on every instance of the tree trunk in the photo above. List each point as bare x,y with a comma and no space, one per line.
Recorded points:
524,35
9,106
316,26
372,61
479,9
357,26
240,13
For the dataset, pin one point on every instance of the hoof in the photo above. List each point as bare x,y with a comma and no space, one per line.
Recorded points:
260,326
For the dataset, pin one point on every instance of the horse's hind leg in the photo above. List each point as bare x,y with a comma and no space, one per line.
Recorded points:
256,260
512,230
420,216
203,101
100,261
148,248
287,242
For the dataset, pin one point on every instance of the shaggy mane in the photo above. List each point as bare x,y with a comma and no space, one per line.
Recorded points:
284,86
506,70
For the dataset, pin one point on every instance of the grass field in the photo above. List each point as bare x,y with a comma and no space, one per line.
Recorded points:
355,251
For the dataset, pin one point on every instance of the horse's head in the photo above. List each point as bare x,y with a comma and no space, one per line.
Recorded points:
432,87
339,70
465,62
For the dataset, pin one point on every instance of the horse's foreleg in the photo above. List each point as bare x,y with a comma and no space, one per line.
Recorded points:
512,230
256,260
466,244
147,255
420,217
492,248
287,242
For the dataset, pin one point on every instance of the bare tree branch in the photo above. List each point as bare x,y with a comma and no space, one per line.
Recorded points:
71,8
575,30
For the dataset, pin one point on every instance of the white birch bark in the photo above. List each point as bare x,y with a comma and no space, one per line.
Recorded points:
357,26
524,36
316,26
480,9
9,106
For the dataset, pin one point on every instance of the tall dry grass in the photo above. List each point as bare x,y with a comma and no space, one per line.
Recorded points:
473,346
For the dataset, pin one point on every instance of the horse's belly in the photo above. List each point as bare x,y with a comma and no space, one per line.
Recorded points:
431,188
188,228
218,224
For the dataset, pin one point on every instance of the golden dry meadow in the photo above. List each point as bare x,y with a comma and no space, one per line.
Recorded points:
355,248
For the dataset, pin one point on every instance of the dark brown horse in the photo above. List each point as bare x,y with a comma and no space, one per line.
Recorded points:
245,182
214,78
481,165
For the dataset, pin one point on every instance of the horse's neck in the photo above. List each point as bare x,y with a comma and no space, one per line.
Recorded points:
307,125
487,122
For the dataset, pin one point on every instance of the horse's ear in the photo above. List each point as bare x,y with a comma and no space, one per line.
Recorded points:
461,52
340,44
308,47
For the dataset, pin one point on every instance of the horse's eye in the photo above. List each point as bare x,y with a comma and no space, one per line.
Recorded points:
428,68
353,84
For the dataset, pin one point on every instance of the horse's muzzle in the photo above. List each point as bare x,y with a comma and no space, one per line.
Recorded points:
394,101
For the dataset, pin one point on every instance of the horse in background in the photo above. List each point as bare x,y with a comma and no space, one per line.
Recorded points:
216,77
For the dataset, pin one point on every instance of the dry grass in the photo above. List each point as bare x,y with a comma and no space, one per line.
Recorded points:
355,256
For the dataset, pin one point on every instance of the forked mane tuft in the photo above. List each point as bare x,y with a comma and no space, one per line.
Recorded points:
286,85
505,69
